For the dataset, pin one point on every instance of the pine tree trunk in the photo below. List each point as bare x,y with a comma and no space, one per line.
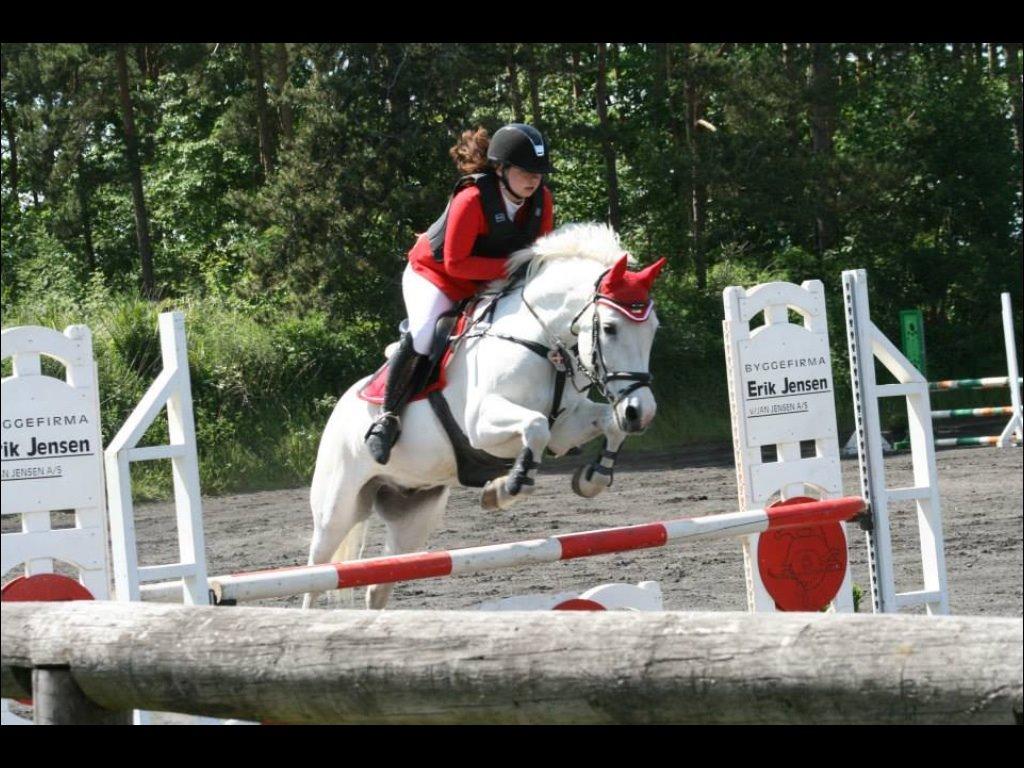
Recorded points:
698,187
1012,50
682,199
659,86
822,93
533,79
577,92
12,144
607,145
791,67
661,115
262,121
398,90
149,60
513,84
280,84
992,61
858,65
82,191
90,251
135,174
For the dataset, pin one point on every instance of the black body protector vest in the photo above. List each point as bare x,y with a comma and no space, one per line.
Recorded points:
503,235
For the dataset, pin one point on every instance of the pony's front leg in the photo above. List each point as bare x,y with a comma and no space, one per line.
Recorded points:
498,421
586,422
590,479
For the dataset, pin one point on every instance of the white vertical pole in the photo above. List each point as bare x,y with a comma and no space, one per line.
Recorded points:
869,439
1014,427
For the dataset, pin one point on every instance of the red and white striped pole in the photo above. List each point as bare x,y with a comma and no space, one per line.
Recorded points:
285,582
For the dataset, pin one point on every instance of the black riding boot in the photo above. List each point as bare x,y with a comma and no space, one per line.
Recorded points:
406,371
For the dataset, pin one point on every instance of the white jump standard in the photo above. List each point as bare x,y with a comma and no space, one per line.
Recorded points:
781,397
37,410
866,343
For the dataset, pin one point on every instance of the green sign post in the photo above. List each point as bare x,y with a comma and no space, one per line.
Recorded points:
912,338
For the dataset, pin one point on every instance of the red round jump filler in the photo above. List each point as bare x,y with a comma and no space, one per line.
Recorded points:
43,587
802,568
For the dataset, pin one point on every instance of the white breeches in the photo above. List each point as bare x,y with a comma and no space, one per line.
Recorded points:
424,303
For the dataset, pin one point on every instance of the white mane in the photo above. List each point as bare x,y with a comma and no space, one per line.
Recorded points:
592,241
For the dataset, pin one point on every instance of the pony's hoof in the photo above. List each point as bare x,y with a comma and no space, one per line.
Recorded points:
489,497
496,495
588,483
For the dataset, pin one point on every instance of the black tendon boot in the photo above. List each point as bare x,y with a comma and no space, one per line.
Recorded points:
406,371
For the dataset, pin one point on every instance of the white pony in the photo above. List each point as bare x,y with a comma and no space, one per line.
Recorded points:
501,384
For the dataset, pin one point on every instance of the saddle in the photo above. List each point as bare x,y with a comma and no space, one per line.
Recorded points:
448,325
475,467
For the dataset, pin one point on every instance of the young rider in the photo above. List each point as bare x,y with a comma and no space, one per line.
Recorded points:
499,206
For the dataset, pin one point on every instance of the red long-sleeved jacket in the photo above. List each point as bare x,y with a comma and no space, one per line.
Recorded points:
461,275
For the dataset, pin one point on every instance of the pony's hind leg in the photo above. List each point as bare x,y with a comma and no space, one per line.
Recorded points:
337,517
410,517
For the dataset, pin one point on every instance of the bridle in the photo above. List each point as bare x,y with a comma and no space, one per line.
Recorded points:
598,372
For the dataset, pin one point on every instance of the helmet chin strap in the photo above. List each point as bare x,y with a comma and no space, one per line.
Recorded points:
504,182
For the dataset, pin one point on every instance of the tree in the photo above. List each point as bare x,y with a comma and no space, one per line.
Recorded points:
607,141
822,98
135,174
262,118
281,85
11,132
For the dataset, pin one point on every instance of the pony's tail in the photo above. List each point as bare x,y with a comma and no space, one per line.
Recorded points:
350,548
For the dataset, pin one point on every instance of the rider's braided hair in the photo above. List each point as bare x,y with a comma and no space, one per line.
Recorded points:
470,151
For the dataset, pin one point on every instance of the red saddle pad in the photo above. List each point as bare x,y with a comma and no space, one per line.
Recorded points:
373,392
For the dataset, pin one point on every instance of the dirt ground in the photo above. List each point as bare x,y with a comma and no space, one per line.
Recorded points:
982,501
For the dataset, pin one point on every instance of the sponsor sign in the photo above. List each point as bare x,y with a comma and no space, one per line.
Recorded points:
785,383
50,447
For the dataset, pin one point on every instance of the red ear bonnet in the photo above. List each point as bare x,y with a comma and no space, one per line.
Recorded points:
629,292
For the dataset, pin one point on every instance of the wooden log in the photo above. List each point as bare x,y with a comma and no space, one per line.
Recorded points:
287,665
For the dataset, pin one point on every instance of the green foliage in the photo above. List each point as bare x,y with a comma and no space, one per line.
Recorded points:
858,596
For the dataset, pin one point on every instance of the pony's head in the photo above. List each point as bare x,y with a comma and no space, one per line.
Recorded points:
610,314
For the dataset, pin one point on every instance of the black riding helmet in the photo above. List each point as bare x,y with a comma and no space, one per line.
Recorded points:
520,145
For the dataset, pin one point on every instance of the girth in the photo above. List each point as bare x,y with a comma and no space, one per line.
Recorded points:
475,467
